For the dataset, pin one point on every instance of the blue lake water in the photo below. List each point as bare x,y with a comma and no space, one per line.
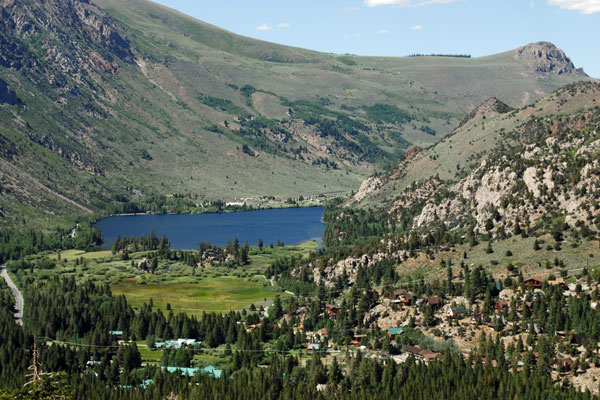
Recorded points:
185,231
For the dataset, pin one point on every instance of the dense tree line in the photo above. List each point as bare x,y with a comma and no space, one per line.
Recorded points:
85,313
282,378
141,243
17,244
15,344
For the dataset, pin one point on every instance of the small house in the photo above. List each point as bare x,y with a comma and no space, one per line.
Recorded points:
408,299
434,302
357,339
323,332
252,327
532,282
393,332
457,312
557,282
422,354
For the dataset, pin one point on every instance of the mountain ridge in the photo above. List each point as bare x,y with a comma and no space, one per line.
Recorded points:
542,164
141,104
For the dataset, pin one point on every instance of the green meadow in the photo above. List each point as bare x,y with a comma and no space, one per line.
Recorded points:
213,294
180,288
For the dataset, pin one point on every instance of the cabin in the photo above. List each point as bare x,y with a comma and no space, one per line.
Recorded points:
422,354
394,332
500,305
252,327
357,339
398,293
435,302
323,332
457,312
533,283
408,299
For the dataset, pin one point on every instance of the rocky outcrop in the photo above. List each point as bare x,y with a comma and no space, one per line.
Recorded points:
551,168
489,109
40,37
544,58
368,186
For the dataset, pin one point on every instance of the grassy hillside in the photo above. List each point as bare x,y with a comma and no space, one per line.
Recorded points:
118,102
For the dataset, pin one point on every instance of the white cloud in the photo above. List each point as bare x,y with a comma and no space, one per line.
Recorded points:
583,6
376,3
383,32
284,25
350,9
359,35
531,5
429,2
416,27
263,27
405,3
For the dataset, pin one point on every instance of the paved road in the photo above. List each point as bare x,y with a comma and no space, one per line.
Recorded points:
17,295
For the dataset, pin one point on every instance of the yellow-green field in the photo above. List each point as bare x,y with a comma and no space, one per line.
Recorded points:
70,255
218,294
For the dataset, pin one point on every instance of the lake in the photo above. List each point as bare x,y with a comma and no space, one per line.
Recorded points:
185,231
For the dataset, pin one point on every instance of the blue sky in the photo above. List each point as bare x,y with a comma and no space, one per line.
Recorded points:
403,27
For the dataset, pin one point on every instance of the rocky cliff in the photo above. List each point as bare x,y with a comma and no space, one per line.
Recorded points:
544,58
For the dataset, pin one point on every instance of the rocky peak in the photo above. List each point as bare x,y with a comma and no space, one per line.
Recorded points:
488,109
544,58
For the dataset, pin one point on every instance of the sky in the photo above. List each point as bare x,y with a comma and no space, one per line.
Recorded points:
404,27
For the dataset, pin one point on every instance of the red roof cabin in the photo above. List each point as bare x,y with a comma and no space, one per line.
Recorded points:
532,282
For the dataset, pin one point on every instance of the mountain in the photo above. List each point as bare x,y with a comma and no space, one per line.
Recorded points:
504,170
113,106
